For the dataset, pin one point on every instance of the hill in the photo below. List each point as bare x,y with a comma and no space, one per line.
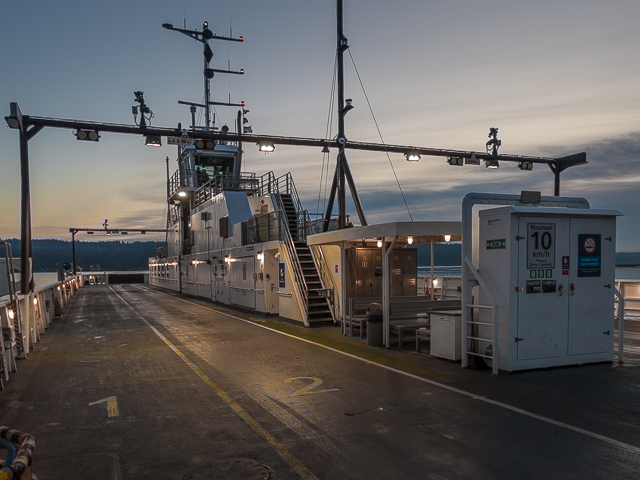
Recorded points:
51,254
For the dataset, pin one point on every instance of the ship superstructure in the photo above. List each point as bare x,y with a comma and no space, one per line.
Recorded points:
240,238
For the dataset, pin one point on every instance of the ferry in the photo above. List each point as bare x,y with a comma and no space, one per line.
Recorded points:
108,396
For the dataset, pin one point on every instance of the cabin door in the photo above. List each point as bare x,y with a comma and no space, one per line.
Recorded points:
242,290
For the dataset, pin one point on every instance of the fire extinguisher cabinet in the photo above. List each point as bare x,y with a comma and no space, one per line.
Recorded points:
552,273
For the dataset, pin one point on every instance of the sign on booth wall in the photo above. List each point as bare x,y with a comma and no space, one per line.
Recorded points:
541,245
282,275
589,255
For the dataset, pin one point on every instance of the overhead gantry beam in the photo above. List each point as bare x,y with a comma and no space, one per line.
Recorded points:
29,126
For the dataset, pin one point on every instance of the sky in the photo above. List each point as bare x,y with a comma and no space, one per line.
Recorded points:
555,77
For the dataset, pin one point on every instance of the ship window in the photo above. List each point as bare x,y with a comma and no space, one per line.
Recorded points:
214,165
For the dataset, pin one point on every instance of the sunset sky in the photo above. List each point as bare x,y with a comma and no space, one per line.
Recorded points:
555,77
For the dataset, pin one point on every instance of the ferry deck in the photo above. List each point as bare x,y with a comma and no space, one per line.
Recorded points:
135,382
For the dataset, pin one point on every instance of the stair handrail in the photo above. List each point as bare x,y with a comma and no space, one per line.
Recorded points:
323,268
300,284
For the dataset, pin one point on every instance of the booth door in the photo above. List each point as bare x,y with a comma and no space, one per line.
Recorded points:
543,293
591,284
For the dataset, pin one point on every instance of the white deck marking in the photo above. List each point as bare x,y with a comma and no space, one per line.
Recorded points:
301,469
112,406
611,441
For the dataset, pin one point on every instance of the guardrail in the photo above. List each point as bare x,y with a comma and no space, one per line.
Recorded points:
24,318
263,228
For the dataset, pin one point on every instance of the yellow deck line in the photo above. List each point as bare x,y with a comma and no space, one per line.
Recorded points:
301,469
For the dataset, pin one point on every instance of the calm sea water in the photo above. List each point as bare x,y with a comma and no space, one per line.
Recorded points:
622,273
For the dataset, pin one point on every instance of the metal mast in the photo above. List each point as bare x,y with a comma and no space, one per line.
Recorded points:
204,36
343,172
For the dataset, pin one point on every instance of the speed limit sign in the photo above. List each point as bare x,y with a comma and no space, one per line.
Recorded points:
541,245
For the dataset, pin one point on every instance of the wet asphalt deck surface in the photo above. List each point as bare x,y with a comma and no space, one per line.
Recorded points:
200,394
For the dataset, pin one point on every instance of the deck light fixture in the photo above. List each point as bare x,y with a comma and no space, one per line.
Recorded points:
410,240
260,256
447,238
35,301
325,149
473,160
266,146
153,140
182,194
491,164
455,161
412,156
87,135
379,244
10,313
13,122
525,165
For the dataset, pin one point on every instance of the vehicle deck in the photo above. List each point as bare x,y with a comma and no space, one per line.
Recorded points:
136,383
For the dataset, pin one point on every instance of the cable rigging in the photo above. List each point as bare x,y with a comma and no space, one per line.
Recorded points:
380,134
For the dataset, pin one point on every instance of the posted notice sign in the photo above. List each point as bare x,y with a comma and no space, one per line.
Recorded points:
589,255
541,245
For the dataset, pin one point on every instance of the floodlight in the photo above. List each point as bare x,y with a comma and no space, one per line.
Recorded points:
491,164
13,122
266,146
153,140
412,156
260,256
455,161
525,165
88,135
325,149
473,160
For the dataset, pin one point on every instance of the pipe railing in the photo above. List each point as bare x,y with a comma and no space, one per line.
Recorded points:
494,331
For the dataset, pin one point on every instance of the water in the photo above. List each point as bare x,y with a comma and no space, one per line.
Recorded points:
622,273
440,271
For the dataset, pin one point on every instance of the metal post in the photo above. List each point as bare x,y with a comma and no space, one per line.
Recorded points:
205,51
332,196
432,294
25,219
340,48
556,183
73,250
386,288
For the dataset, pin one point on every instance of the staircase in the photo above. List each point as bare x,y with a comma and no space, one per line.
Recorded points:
292,216
319,312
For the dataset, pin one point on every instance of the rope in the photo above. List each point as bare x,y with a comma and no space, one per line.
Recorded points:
325,157
380,134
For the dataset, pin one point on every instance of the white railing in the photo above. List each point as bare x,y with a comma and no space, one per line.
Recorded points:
494,308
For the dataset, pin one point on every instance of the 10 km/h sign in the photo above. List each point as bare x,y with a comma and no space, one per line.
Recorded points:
541,245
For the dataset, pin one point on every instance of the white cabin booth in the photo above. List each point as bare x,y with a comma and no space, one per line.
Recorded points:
379,261
544,284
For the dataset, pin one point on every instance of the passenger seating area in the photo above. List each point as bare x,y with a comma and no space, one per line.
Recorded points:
406,314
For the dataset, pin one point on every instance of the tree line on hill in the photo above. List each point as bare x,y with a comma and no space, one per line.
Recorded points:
51,254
